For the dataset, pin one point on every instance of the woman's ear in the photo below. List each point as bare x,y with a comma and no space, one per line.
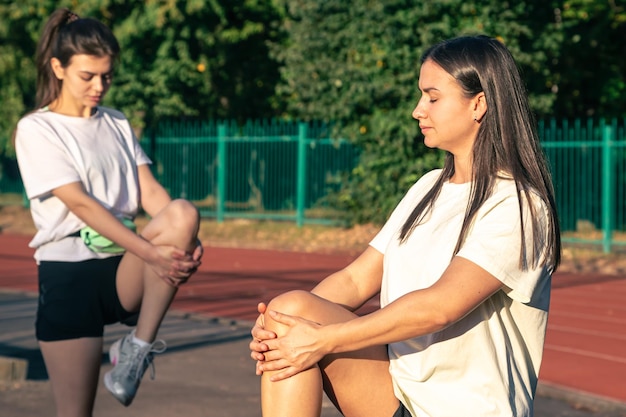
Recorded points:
480,106
57,68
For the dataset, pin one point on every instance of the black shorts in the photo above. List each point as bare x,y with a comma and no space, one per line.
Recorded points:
402,412
77,299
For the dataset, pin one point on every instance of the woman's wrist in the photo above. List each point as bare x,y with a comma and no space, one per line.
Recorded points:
146,251
330,339
344,337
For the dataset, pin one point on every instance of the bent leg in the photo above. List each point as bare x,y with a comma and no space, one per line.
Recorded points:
357,382
138,286
73,368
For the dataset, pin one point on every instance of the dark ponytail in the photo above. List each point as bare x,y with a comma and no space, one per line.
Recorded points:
65,35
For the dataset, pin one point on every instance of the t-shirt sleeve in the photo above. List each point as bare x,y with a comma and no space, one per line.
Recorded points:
141,157
128,136
390,228
44,162
494,244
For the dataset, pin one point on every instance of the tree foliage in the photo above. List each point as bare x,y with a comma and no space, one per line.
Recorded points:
356,63
180,58
589,75
196,58
351,63
19,25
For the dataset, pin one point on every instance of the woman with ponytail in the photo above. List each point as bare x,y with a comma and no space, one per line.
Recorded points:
463,268
86,178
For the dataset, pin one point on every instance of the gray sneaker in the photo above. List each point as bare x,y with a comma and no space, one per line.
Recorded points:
131,362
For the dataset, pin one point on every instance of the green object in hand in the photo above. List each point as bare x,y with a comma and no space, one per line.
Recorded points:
98,243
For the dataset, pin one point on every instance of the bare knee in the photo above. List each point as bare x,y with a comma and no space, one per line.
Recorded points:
183,215
292,302
177,224
308,306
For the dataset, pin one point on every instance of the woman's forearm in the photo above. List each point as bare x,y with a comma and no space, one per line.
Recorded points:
411,316
354,285
462,287
154,197
101,220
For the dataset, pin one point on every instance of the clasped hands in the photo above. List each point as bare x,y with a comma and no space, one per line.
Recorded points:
298,349
177,265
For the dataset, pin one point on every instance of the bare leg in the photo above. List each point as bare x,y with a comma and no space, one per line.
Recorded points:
73,368
137,284
358,382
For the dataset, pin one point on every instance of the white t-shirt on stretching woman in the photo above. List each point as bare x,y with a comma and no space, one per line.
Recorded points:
101,152
487,363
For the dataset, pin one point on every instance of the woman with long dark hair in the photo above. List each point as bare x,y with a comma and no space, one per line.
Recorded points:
463,268
86,178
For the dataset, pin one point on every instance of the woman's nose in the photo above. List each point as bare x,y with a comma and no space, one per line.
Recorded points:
418,113
98,84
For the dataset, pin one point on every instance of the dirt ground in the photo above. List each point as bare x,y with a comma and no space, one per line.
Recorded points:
313,238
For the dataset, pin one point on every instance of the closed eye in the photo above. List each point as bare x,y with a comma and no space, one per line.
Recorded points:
105,77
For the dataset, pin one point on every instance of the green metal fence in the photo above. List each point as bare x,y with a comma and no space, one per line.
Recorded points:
285,171
261,170
272,170
588,162
10,181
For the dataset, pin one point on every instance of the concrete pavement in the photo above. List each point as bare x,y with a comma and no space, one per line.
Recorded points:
206,372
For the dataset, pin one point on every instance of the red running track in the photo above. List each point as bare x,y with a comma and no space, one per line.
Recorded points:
585,345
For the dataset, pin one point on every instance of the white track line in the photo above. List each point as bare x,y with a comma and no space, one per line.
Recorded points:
576,330
586,353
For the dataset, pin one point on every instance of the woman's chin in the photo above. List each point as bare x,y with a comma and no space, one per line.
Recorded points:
430,143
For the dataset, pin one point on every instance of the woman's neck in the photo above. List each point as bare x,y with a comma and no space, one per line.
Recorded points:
462,171
65,108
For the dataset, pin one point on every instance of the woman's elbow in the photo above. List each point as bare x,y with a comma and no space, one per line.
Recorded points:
441,319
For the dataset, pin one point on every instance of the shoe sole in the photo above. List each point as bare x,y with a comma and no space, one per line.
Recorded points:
123,399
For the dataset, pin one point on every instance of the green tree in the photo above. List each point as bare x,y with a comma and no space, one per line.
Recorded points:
196,58
19,28
180,58
356,64
589,76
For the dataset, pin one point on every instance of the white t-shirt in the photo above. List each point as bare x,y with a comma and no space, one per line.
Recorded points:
101,152
487,363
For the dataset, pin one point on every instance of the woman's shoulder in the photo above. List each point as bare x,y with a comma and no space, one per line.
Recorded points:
430,176
41,120
34,115
114,117
111,112
507,188
506,184
424,183
36,130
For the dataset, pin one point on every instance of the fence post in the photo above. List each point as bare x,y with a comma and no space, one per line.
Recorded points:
608,180
301,174
221,172
184,186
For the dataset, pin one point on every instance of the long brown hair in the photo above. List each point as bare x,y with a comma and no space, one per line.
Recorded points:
65,35
507,141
